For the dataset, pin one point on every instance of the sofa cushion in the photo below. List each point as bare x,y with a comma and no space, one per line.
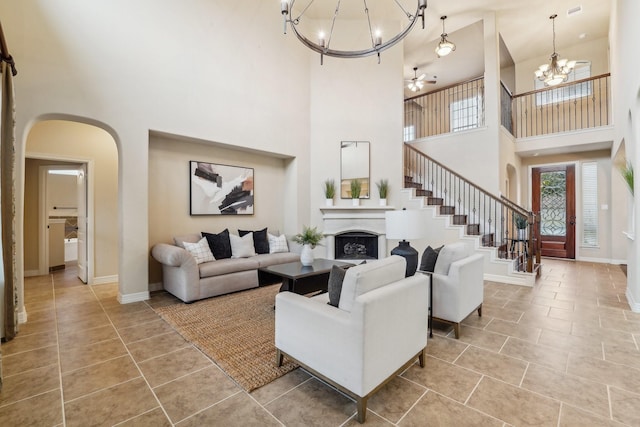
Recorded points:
265,260
200,251
219,243
429,258
226,266
366,277
191,238
448,254
260,240
242,247
277,244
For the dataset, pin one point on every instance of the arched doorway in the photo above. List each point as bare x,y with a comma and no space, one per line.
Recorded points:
67,144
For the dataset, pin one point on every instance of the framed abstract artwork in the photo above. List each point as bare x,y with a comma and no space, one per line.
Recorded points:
220,189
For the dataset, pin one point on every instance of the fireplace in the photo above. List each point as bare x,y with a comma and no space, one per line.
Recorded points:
358,245
363,221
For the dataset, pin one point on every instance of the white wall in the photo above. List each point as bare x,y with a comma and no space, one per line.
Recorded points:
624,35
596,51
478,162
206,70
62,191
356,100
214,70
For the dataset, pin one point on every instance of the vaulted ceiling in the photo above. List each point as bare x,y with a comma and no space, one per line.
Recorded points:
524,26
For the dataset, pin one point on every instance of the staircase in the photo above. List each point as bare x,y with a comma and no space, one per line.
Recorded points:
462,211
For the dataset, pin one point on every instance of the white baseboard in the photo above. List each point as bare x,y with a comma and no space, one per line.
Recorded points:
156,287
635,305
31,273
103,280
129,298
22,315
602,260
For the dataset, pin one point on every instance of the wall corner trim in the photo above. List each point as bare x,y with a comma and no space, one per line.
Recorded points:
136,297
635,305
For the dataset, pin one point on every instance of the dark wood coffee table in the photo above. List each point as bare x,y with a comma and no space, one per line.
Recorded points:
304,279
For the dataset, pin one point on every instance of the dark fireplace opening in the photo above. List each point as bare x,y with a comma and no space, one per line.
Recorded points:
356,245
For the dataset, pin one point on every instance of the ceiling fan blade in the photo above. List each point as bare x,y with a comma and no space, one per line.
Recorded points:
422,76
429,82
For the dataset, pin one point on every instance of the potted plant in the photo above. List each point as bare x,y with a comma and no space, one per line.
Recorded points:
522,224
309,239
383,191
627,174
356,188
329,191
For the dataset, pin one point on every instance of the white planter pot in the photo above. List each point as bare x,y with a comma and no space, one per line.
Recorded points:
355,202
383,202
522,234
328,202
306,256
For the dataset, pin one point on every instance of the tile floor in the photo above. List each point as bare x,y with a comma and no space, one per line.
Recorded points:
564,353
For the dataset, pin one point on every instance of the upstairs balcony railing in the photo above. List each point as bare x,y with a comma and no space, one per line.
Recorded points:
582,104
500,222
451,109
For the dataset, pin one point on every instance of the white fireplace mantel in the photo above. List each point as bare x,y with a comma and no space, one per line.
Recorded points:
344,219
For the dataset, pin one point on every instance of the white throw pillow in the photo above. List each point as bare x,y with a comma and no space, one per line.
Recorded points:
242,247
277,243
200,251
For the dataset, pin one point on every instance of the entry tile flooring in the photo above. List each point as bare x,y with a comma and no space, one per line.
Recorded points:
563,353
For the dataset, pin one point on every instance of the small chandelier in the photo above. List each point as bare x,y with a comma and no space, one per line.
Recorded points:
558,70
445,47
323,46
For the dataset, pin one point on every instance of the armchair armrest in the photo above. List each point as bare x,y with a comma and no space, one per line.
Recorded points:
302,323
461,291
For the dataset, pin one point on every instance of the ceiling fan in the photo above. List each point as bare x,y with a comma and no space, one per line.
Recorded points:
417,83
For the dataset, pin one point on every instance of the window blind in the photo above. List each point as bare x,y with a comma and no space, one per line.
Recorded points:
590,204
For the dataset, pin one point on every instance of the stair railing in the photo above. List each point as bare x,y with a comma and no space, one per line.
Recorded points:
500,222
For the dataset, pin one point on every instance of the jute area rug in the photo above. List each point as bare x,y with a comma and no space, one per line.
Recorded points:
236,331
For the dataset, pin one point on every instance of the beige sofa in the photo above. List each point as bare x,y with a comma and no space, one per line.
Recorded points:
189,281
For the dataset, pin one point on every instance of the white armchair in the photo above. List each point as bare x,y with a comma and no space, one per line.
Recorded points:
458,280
378,329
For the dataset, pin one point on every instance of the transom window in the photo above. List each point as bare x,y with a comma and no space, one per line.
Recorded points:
582,70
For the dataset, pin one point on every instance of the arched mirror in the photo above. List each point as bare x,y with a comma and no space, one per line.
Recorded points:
354,165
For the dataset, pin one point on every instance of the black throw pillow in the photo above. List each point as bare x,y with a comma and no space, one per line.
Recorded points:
336,277
219,243
260,240
429,258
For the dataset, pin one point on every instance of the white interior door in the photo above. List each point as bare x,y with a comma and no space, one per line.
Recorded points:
82,224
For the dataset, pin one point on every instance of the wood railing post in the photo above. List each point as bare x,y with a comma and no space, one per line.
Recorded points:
531,242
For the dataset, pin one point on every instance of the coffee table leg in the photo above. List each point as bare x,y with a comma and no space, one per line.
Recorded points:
287,285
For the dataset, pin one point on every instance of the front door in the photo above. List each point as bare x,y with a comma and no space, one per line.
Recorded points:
553,199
